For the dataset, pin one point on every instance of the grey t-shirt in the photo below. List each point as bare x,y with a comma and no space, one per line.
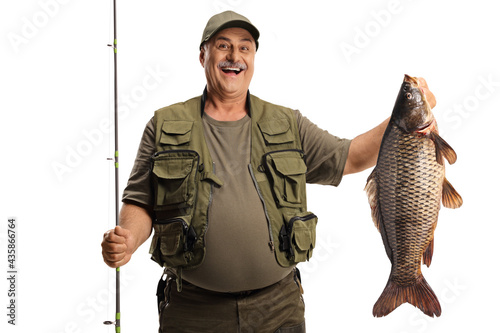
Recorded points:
238,257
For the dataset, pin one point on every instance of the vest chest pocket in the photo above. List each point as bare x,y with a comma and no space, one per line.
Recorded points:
276,132
287,172
176,133
174,179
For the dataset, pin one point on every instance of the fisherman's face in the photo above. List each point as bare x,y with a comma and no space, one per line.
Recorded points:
228,60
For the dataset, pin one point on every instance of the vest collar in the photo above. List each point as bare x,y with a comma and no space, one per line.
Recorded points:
204,98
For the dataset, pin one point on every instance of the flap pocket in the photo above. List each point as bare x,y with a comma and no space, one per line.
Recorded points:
173,168
168,247
171,239
287,172
304,240
276,131
290,166
174,178
176,132
302,229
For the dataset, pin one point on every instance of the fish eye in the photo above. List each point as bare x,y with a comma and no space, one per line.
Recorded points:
408,96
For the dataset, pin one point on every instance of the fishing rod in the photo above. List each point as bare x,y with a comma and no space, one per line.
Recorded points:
116,322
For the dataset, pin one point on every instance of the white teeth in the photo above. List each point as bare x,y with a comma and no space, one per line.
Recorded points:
231,69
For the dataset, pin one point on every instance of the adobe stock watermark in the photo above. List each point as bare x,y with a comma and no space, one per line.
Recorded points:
94,137
363,36
223,5
94,307
324,250
32,25
470,104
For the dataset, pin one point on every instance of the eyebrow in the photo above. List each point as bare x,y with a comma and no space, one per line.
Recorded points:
229,40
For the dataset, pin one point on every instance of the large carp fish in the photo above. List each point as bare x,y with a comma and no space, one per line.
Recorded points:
405,191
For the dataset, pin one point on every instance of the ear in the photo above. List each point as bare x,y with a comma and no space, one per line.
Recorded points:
202,56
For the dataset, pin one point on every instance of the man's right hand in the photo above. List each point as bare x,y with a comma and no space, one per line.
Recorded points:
117,246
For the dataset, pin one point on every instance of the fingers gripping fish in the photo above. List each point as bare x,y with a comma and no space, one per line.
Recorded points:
405,191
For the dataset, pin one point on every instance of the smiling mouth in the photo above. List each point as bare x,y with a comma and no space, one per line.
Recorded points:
233,70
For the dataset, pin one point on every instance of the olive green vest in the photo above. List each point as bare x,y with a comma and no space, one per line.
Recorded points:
183,178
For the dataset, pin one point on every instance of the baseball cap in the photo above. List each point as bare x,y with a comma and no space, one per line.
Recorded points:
229,19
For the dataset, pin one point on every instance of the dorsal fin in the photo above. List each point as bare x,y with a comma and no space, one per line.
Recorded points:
371,189
451,198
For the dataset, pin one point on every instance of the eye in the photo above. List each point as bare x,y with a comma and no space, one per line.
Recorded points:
408,96
223,46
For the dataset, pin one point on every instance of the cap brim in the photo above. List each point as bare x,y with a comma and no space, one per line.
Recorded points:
236,24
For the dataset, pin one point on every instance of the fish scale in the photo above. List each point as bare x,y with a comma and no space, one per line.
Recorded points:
405,191
412,158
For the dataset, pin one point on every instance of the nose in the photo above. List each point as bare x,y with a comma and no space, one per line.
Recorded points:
232,55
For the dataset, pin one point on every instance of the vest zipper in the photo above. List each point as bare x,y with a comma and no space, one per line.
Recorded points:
302,218
210,197
173,220
158,153
284,150
271,241
185,228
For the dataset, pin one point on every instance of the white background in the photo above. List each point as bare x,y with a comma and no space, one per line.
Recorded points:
340,62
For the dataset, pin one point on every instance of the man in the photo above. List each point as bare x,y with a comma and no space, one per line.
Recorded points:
221,180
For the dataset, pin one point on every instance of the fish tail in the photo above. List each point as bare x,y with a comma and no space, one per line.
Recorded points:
419,294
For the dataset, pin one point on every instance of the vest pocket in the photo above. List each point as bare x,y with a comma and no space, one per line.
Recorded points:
172,242
174,179
176,133
276,131
287,172
298,236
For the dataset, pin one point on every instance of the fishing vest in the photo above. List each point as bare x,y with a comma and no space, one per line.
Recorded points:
183,178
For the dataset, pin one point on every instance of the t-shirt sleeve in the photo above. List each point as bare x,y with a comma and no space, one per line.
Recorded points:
325,154
138,190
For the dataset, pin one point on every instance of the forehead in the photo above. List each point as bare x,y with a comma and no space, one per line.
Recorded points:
234,35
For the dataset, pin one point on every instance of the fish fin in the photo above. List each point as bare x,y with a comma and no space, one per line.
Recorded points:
371,189
443,149
451,198
419,294
427,257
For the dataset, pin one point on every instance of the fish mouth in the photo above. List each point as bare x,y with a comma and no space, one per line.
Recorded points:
411,80
427,128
